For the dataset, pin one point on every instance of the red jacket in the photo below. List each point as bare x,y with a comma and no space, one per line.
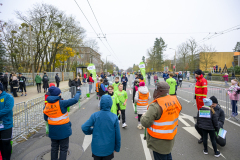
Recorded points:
201,87
90,79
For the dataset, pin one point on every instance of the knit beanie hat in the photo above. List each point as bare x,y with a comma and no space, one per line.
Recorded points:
198,72
1,87
141,84
162,88
51,84
214,99
207,102
54,91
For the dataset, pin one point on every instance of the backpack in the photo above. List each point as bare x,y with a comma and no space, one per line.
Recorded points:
45,78
5,79
88,80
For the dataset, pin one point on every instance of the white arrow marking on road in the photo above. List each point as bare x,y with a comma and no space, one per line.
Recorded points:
133,107
183,99
145,148
188,117
130,91
193,132
86,142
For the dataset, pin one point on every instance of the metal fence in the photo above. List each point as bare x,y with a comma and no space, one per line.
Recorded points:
188,93
28,116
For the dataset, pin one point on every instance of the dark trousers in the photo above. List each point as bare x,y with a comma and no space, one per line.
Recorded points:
5,143
111,156
124,87
212,138
63,144
5,85
14,92
139,117
158,156
57,84
234,106
219,140
22,87
123,116
39,87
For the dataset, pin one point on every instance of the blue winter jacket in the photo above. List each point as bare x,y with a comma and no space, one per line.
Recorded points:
126,79
6,113
59,132
164,75
104,127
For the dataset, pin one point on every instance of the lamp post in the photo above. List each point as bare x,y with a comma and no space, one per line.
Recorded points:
174,59
106,60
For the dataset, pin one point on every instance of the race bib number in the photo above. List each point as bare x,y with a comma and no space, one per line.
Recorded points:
1,124
78,87
205,113
180,79
123,80
21,80
222,133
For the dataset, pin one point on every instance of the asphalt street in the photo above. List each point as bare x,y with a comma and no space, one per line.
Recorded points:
133,147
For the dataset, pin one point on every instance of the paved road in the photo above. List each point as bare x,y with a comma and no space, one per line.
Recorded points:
133,147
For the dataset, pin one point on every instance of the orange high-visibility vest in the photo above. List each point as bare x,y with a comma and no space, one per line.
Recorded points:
143,99
97,90
54,113
166,126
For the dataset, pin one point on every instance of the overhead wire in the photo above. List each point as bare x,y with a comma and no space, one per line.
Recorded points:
101,30
91,24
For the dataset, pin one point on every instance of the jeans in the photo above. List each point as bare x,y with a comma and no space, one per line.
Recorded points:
205,139
234,106
39,87
226,83
188,78
63,144
90,88
158,156
124,87
148,81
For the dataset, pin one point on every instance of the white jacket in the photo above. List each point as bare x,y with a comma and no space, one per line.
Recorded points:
143,90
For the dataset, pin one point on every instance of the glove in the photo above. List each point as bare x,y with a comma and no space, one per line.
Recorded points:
195,97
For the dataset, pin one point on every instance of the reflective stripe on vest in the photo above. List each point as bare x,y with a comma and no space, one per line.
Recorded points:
163,131
201,95
166,126
200,86
65,116
143,99
55,115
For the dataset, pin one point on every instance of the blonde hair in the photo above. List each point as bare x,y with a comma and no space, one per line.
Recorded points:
99,84
236,81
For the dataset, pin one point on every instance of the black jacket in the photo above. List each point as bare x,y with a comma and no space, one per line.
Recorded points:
5,79
57,79
101,92
180,76
220,115
207,123
22,79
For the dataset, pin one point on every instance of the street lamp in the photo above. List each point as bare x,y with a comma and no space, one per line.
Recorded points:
174,58
106,60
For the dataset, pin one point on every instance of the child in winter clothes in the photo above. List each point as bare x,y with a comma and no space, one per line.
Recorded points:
143,90
207,122
234,96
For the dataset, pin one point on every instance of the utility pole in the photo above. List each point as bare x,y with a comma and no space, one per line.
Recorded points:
32,61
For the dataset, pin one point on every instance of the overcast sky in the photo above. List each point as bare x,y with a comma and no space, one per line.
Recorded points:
131,26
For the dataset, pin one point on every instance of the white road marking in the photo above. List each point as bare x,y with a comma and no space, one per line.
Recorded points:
183,121
86,142
128,85
183,99
232,122
130,91
146,150
133,107
193,132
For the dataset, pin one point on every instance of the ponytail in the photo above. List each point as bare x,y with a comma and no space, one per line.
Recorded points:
212,110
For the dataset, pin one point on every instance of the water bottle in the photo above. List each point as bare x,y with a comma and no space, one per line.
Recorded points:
68,109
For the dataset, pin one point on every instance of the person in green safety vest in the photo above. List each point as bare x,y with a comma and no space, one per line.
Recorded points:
115,105
172,83
115,85
122,97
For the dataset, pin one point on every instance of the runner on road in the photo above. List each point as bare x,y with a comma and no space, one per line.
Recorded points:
172,83
115,84
115,105
124,81
122,97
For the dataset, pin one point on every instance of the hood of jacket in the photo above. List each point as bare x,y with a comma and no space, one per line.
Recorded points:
143,89
3,94
53,99
200,77
106,103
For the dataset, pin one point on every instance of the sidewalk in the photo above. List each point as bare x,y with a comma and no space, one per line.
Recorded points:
32,92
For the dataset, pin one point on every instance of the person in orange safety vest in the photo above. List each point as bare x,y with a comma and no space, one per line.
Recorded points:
142,97
200,89
55,113
161,121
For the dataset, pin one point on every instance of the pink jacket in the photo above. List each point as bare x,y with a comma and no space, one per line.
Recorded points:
225,77
232,92
85,76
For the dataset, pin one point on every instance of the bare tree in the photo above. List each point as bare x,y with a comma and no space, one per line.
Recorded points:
92,43
183,55
193,50
207,56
